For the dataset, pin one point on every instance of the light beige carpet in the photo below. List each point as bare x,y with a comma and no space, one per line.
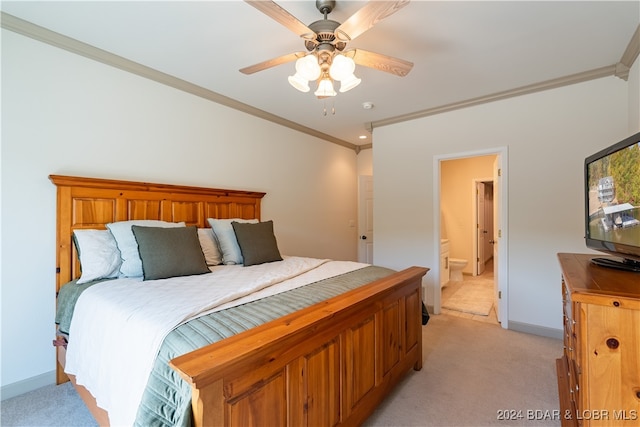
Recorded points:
476,374
471,297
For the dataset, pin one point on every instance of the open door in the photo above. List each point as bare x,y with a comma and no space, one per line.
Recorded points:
494,239
480,227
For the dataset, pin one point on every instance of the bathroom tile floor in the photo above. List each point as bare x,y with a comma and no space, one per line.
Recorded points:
485,280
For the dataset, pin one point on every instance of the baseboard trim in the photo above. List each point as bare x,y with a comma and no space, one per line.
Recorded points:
536,330
527,328
24,386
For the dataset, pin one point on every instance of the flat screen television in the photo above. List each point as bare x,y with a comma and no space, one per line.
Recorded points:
612,204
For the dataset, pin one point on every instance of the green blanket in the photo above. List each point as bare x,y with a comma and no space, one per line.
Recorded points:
67,297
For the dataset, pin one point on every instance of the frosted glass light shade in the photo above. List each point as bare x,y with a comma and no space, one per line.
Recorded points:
325,88
299,83
307,67
341,67
349,83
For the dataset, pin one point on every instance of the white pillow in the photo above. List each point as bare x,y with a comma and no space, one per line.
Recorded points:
226,238
126,241
209,246
98,253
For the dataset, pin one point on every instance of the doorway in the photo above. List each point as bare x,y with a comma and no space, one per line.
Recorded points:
470,216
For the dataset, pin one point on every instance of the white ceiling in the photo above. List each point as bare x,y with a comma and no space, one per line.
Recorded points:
461,50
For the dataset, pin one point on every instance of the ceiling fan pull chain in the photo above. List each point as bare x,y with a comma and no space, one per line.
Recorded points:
324,108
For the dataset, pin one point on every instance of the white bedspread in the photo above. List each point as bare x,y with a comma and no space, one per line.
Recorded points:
118,326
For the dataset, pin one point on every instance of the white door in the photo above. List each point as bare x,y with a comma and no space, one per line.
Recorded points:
489,205
480,227
495,235
365,219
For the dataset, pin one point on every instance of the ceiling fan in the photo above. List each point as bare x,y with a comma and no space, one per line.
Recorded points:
327,58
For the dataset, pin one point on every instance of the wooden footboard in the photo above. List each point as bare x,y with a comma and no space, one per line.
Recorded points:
329,364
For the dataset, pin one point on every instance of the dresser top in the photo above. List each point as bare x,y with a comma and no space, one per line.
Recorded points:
586,280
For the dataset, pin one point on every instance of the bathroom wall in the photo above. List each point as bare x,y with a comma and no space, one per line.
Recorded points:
457,199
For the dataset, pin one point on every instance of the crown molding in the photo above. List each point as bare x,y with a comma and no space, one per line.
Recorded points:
36,32
523,90
633,49
620,69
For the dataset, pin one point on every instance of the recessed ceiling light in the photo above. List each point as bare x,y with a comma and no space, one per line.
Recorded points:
367,105
363,137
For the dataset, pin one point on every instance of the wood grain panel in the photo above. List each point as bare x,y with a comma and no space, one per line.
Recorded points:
232,209
390,337
361,360
412,331
263,406
93,213
189,211
613,352
218,210
323,386
144,209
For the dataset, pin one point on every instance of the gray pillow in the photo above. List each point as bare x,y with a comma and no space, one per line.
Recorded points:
169,252
257,242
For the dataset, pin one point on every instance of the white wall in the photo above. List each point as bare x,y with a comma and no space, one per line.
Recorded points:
65,114
365,162
548,135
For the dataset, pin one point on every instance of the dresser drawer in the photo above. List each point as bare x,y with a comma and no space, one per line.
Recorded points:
574,381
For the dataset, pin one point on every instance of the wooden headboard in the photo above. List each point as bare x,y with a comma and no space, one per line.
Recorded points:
92,203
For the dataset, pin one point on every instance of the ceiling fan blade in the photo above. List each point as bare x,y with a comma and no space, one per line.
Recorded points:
272,62
277,13
380,62
367,17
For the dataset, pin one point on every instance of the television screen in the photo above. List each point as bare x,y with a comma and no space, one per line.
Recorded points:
612,203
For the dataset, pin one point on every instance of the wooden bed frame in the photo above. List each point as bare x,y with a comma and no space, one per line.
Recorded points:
329,364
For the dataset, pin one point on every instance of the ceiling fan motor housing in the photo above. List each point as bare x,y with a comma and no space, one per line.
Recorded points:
325,35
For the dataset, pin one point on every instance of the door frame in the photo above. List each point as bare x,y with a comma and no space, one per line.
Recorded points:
501,232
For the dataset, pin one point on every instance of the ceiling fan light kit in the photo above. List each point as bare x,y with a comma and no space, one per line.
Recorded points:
307,69
299,83
326,40
341,68
349,83
325,88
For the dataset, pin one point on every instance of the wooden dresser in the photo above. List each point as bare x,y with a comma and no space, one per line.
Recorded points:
599,372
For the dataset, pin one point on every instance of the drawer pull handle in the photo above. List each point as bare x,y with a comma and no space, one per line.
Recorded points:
613,343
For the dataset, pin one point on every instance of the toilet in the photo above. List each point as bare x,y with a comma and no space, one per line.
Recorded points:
455,268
